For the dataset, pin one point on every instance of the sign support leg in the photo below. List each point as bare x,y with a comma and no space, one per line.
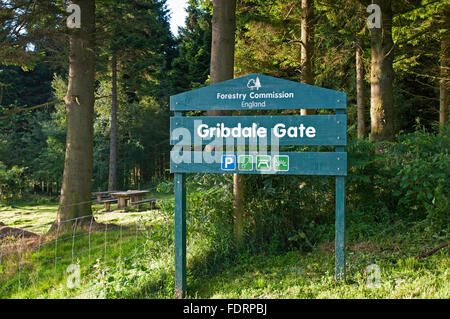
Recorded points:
340,221
340,228
180,236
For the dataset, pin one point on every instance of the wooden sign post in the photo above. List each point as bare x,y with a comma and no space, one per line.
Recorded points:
257,92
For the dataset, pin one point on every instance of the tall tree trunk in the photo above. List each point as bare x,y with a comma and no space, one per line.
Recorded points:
443,99
223,38
112,180
75,200
222,69
382,74
1,93
360,109
307,51
238,208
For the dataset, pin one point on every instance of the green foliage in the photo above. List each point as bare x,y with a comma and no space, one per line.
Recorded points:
190,69
288,212
140,265
422,179
268,41
368,184
209,204
407,180
22,24
311,276
138,34
19,88
11,182
268,38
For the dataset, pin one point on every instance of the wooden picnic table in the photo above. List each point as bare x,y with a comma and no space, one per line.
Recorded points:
99,195
132,195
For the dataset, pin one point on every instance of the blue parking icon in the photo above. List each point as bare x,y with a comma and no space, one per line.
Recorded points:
228,162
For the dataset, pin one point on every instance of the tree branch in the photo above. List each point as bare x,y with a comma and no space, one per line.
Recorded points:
435,249
15,111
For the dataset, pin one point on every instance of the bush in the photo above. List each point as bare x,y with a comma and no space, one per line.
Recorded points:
422,179
369,198
208,219
11,182
389,187
285,212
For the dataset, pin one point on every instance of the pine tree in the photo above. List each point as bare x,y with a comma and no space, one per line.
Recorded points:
382,76
138,48
75,200
190,69
307,45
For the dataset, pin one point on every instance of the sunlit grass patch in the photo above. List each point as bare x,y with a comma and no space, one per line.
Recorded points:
133,257
40,267
294,275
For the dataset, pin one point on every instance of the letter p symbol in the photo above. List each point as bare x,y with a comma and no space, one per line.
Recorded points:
228,162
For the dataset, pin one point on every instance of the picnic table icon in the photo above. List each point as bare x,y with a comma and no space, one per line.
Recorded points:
263,163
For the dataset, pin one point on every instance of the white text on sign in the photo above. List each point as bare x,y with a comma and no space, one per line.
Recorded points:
279,130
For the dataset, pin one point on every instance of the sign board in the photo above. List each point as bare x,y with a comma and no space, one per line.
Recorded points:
255,130
239,144
258,92
296,163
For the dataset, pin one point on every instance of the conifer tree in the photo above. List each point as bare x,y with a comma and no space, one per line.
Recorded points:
75,200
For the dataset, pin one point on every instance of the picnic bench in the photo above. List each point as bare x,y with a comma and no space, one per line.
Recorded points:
133,196
122,197
152,201
108,202
102,195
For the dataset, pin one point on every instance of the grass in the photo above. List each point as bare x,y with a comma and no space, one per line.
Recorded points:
29,216
39,268
297,275
136,261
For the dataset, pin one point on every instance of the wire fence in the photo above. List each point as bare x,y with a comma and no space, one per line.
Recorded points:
70,260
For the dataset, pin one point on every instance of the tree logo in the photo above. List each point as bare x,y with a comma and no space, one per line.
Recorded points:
254,84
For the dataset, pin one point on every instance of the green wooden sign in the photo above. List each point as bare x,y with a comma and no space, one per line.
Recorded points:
283,163
257,92
255,130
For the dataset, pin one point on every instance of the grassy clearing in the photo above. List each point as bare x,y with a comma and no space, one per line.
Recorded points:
28,216
136,261
297,275
38,268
